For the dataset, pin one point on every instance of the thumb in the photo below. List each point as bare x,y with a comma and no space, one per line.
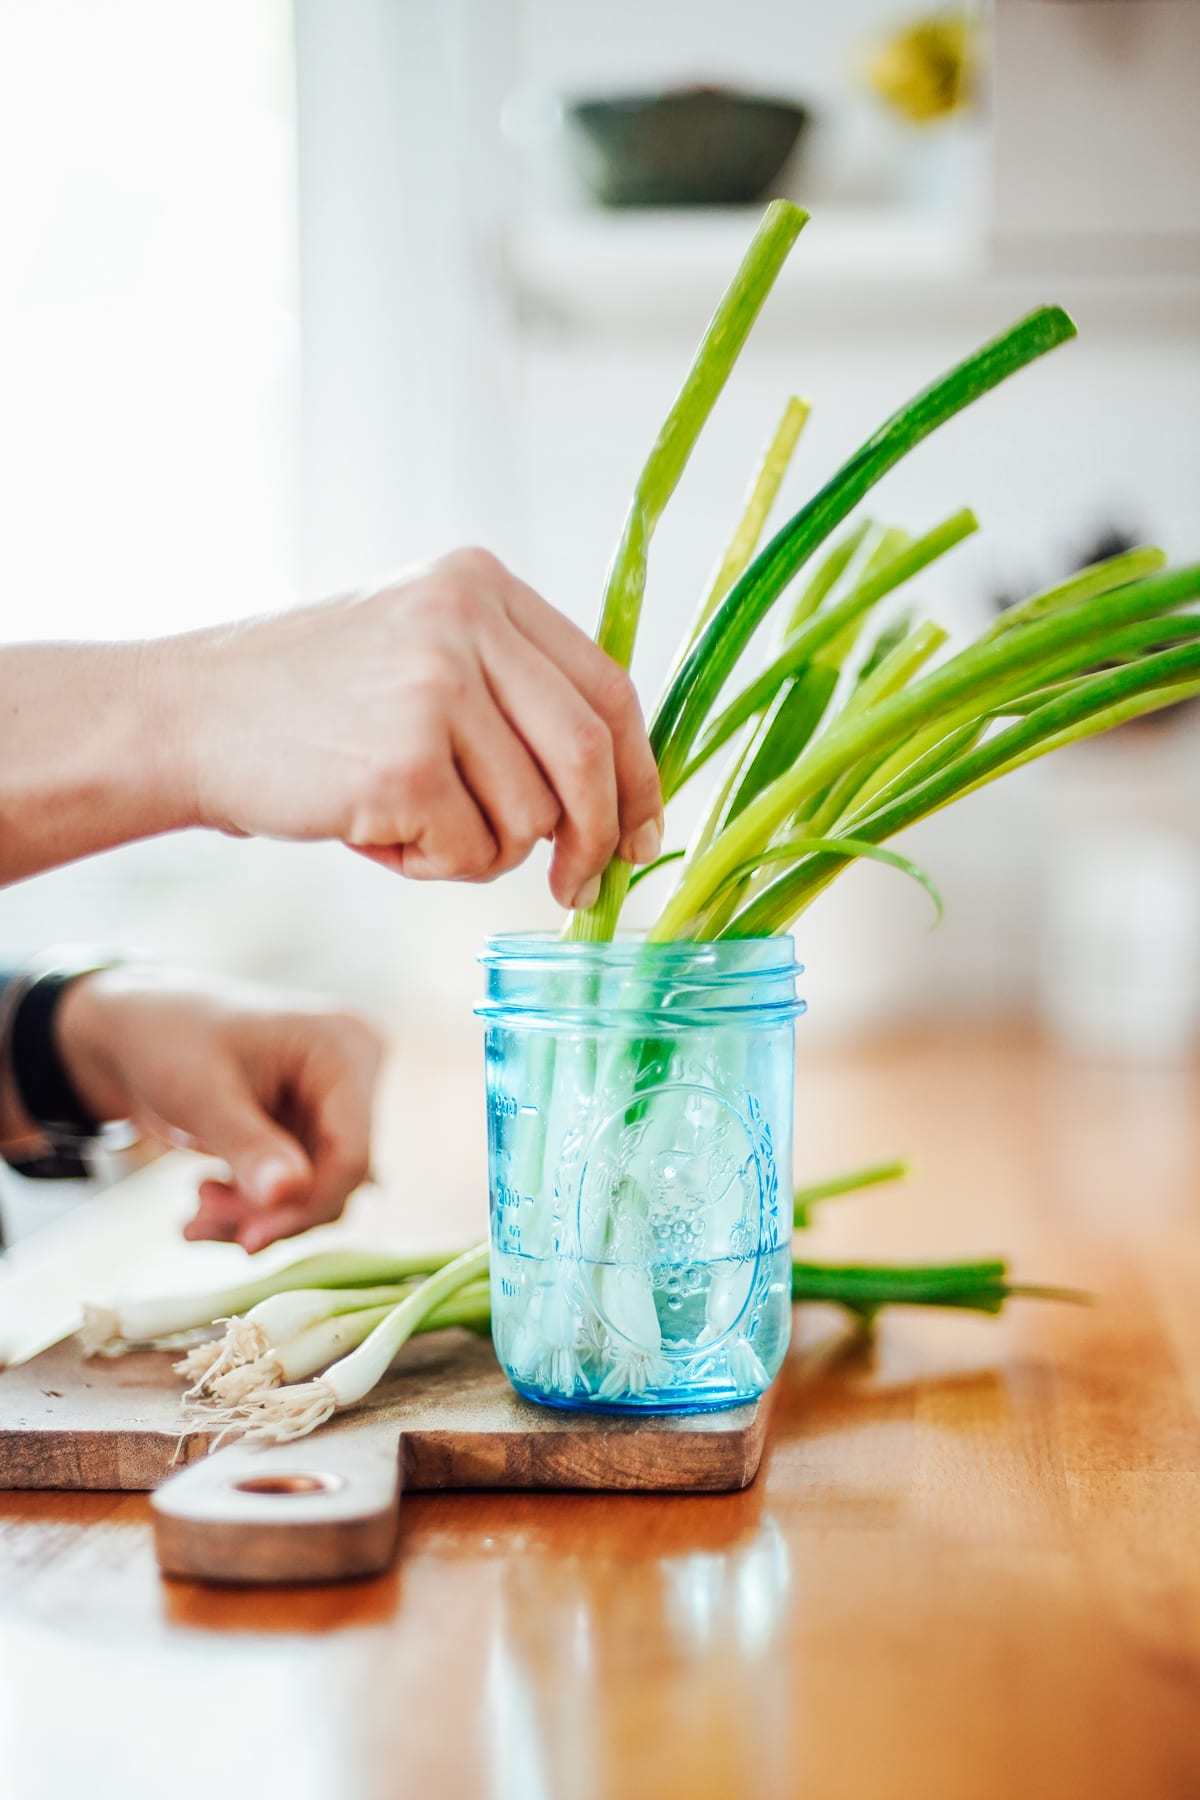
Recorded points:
267,1163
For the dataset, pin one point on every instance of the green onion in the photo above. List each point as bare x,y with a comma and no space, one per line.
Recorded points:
626,584
756,510
804,1199
719,348
864,1288
828,574
295,1360
283,1413
273,1323
137,1323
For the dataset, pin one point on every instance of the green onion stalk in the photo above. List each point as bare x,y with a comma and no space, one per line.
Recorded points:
157,1321
626,583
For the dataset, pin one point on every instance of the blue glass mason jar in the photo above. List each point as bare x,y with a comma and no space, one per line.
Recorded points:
639,1104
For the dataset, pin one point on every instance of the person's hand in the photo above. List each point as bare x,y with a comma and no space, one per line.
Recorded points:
442,726
281,1093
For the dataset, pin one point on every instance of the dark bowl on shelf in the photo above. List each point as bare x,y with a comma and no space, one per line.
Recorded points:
688,147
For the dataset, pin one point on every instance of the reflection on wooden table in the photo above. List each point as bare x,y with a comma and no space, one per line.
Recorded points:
971,1565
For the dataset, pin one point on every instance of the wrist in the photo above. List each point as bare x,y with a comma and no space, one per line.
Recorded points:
189,682
166,706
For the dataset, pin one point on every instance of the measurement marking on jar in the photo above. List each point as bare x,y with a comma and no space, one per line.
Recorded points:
509,1197
507,1106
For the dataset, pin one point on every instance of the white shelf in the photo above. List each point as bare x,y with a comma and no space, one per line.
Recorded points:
646,270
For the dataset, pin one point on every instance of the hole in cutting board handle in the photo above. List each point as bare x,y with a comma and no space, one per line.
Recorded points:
289,1485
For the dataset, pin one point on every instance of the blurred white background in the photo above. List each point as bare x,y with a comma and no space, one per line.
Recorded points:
285,307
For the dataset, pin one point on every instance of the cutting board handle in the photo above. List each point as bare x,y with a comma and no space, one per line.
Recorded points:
320,1510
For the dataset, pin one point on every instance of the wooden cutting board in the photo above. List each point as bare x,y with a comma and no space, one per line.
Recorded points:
328,1506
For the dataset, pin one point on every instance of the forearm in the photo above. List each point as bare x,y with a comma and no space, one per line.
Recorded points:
90,751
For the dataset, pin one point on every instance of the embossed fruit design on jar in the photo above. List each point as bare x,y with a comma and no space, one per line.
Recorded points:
639,1134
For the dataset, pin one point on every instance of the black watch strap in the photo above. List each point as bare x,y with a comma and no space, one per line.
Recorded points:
47,1093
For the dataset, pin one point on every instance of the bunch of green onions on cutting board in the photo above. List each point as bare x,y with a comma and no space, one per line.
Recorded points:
860,725
317,1335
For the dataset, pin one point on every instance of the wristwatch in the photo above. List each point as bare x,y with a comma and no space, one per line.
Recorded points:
48,1096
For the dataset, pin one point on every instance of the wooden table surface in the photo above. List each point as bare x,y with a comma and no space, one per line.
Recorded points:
970,1566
